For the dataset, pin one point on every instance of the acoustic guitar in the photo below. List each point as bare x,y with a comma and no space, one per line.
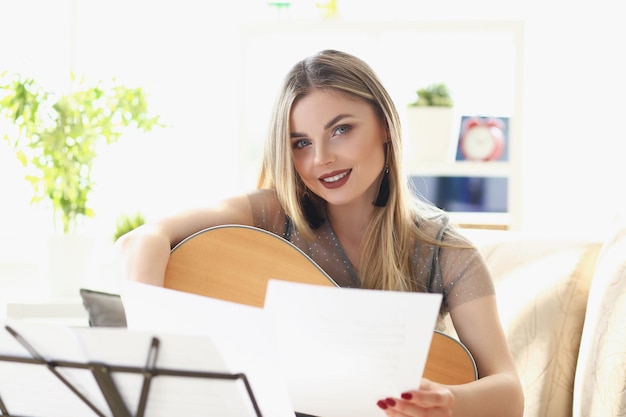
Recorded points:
235,263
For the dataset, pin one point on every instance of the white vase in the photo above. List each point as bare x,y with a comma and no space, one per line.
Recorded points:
430,136
68,263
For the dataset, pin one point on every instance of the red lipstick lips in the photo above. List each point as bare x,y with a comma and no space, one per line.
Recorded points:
335,179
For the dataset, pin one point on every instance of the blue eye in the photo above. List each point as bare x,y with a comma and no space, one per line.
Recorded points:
300,143
341,130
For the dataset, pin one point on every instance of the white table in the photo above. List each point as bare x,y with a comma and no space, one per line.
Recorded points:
16,305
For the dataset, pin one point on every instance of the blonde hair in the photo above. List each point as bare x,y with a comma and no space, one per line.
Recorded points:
389,241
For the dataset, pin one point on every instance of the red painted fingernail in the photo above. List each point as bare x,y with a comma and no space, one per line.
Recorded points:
406,395
382,404
390,401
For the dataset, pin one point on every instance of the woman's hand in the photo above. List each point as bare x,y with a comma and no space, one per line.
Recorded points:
431,399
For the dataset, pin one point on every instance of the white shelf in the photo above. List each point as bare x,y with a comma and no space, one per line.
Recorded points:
373,26
481,220
464,168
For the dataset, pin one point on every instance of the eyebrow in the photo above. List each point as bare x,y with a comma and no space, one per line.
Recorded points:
326,126
335,120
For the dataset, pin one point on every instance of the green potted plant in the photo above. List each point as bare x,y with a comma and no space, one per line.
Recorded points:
127,222
434,95
56,137
430,120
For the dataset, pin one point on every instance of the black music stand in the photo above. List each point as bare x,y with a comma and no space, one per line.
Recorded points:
103,375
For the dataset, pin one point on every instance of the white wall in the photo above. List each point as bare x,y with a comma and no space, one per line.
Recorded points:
574,112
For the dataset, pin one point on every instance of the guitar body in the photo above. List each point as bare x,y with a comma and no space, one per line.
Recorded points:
235,263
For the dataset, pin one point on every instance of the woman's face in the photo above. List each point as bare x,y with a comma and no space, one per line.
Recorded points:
337,144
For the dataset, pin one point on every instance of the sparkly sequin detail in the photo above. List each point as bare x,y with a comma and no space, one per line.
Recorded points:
459,274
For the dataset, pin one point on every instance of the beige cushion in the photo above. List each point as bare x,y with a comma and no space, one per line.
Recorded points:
542,287
600,387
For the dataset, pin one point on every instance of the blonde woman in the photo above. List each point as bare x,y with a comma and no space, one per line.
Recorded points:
332,184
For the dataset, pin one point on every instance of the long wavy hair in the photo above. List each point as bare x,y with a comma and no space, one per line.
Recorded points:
390,238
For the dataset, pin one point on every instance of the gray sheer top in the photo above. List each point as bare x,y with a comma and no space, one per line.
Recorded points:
460,274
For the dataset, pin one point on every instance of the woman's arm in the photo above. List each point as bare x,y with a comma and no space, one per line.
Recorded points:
143,253
498,392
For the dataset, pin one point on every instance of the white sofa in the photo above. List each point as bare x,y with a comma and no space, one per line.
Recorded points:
563,305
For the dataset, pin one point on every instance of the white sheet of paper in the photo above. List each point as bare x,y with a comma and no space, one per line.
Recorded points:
21,384
241,333
169,395
32,389
328,352
343,350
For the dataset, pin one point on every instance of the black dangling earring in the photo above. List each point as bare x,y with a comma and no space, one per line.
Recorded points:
383,191
311,214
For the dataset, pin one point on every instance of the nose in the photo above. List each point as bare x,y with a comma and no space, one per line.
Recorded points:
323,155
